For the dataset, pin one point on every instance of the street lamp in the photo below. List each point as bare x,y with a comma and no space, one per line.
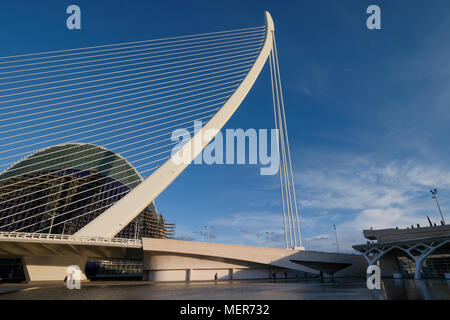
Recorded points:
434,196
335,234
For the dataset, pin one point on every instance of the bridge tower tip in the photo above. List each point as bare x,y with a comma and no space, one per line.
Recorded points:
269,22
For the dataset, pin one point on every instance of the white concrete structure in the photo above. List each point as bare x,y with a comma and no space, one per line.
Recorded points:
175,260
46,256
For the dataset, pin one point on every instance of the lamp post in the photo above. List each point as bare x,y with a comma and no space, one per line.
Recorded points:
434,196
335,234
207,229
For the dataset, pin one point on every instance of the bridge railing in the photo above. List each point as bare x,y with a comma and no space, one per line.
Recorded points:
69,238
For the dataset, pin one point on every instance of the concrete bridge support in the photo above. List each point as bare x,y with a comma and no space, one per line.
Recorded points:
51,268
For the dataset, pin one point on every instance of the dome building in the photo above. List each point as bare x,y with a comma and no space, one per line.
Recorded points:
61,189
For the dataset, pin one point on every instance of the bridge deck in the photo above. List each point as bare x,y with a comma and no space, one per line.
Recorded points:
276,257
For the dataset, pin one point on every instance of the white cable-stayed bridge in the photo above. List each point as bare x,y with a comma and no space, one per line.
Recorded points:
86,148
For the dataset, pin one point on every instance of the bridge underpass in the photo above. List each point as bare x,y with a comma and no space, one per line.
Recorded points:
87,155
45,257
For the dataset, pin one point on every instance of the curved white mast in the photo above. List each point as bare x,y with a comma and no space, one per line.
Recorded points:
113,220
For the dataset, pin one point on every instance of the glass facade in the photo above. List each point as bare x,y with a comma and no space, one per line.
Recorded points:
11,270
114,269
435,266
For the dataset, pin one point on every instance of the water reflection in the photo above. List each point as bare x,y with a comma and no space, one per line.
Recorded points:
352,289
416,290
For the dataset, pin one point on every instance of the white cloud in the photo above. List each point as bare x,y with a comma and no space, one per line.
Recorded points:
353,192
362,192
260,228
253,219
321,237
185,237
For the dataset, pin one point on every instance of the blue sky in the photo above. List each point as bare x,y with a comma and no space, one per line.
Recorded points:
368,110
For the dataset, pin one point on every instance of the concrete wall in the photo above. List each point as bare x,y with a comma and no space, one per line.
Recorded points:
167,260
208,274
252,273
50,268
167,275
